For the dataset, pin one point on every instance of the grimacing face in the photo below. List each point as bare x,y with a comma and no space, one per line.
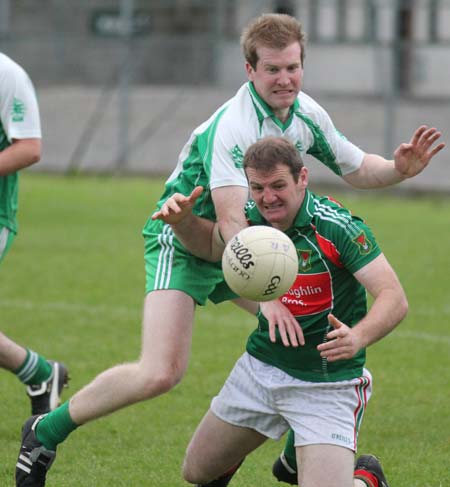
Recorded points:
276,194
277,77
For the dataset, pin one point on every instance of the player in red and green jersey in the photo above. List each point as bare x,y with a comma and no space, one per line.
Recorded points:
318,389
332,245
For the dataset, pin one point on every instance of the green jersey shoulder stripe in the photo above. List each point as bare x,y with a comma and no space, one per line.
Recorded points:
321,148
209,135
344,220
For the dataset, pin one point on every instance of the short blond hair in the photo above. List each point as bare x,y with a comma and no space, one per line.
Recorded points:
275,31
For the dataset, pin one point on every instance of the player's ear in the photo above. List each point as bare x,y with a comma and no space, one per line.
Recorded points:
249,69
303,177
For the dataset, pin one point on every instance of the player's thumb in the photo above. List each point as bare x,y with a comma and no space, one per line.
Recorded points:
334,322
196,192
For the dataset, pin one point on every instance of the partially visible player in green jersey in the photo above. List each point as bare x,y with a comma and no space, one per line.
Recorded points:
20,147
319,389
270,103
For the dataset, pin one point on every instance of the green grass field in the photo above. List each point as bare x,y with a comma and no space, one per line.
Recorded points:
72,288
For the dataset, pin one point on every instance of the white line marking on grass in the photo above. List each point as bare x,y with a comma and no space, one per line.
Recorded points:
70,307
131,312
419,335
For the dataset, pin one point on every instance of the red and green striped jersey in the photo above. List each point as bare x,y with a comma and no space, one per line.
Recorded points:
332,244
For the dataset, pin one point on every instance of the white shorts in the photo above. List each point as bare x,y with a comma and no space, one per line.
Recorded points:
262,397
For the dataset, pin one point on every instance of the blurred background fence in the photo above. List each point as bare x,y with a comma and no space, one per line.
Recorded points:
122,83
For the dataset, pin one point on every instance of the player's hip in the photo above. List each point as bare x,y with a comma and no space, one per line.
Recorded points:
259,396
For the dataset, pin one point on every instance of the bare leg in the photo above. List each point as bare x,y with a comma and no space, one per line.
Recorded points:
12,356
325,466
215,447
166,340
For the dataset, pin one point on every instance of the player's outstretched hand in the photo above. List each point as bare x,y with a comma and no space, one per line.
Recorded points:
177,207
277,314
342,343
413,157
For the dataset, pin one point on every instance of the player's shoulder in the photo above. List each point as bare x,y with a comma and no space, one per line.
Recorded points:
232,115
238,124
330,215
240,108
8,65
10,70
310,107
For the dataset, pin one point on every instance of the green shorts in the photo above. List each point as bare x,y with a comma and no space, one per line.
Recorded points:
6,240
168,265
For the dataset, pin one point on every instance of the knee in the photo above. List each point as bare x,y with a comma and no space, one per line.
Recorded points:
191,474
161,380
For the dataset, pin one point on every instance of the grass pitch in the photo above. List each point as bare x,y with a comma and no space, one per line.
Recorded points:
72,289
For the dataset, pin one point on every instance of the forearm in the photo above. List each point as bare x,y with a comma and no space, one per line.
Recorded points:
196,235
387,311
375,172
251,307
20,154
229,203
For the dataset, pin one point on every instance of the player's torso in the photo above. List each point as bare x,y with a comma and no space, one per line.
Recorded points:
213,156
8,182
323,285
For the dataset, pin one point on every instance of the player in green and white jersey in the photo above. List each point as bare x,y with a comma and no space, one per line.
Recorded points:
319,389
271,103
20,146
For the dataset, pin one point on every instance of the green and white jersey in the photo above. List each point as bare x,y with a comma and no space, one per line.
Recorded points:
214,153
332,245
19,119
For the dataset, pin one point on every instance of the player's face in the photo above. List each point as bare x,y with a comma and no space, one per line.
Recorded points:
278,77
276,194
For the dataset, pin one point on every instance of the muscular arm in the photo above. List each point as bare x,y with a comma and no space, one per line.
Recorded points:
196,235
410,159
204,238
375,172
229,202
388,309
390,304
199,235
20,154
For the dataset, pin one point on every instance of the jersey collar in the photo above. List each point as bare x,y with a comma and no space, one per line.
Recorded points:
303,218
263,110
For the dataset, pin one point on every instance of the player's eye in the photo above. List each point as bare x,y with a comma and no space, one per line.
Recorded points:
256,188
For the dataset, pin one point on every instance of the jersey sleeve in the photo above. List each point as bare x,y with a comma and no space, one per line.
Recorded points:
330,146
19,109
357,245
227,161
235,131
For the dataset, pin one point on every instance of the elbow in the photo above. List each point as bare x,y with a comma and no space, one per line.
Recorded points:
34,158
35,152
403,306
32,151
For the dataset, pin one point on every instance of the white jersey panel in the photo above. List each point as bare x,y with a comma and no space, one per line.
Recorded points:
19,111
223,139
244,122
348,156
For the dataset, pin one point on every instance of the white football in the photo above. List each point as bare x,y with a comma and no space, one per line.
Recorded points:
260,263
